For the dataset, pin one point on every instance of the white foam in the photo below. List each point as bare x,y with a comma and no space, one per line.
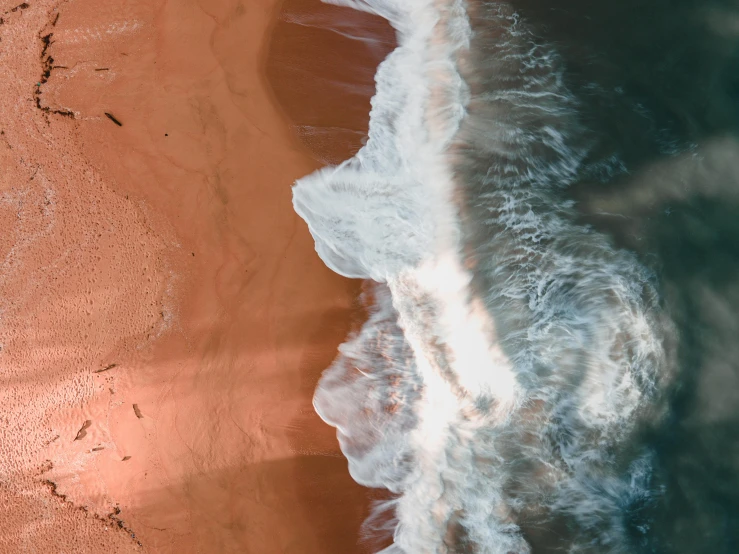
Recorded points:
425,400
387,215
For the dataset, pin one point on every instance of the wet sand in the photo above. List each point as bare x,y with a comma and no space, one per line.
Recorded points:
321,67
163,316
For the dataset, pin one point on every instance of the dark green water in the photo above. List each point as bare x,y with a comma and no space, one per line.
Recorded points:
654,105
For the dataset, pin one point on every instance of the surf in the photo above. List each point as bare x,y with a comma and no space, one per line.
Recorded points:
511,355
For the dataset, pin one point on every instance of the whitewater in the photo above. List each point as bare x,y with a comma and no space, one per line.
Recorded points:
513,356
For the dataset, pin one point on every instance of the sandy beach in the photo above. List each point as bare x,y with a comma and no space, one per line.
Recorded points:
163,315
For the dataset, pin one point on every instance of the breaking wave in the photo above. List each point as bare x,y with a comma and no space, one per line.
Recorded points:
513,356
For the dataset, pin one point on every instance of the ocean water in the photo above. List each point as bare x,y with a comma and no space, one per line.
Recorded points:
546,216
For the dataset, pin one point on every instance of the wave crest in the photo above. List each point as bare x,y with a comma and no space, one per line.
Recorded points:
511,354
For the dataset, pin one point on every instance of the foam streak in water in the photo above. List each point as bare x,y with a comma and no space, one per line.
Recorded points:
510,352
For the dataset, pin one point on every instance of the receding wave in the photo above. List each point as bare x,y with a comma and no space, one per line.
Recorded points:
515,358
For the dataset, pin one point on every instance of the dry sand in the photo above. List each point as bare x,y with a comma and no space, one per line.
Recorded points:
163,316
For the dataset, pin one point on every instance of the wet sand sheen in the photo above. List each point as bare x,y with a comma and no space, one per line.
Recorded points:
321,67
158,292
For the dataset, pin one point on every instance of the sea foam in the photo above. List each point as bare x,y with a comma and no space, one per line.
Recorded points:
509,353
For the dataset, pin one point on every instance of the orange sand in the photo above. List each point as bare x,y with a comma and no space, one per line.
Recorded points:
163,317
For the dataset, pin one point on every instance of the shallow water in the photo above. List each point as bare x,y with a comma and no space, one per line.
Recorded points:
547,204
